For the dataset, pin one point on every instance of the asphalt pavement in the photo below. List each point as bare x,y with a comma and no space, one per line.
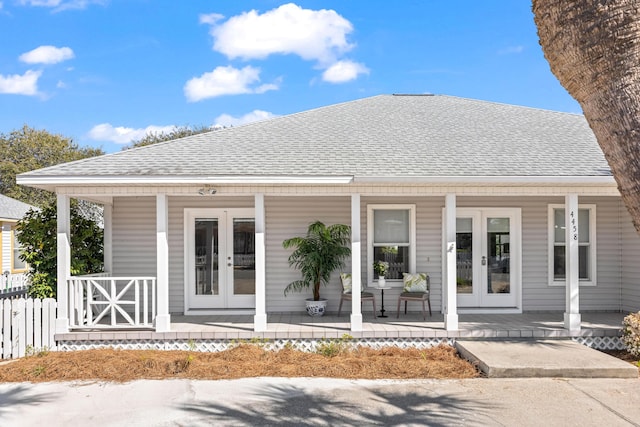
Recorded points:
325,402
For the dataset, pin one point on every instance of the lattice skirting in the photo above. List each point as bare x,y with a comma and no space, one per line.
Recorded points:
310,345
601,343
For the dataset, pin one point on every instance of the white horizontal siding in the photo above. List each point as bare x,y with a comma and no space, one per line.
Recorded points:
5,238
134,236
537,295
428,246
288,217
330,210
630,256
135,253
606,295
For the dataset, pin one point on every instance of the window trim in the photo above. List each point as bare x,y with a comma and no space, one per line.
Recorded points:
13,239
412,239
593,261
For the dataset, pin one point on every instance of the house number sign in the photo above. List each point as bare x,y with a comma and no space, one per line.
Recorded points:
574,225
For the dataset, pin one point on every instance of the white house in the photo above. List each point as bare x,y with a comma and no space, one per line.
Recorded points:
476,194
12,267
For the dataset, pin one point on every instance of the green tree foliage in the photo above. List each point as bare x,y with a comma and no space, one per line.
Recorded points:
27,149
180,132
37,234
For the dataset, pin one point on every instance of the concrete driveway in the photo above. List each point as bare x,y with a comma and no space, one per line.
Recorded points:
325,402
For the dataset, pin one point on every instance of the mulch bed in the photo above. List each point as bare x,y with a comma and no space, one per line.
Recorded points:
244,360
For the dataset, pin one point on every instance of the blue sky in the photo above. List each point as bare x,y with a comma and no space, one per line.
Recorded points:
104,72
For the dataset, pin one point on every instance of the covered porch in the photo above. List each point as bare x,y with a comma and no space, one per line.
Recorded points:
151,296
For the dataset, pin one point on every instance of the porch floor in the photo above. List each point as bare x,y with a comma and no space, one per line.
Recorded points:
411,325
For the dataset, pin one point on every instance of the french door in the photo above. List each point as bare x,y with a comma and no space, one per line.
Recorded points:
220,258
488,257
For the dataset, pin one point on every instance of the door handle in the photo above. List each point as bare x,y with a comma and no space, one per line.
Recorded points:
484,260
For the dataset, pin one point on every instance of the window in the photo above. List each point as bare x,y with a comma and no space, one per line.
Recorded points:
391,237
17,265
586,245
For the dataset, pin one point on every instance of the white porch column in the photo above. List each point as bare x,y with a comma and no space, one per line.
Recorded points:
163,319
450,273
260,318
64,262
356,260
572,285
108,238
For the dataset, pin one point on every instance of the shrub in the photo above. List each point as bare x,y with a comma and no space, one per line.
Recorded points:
631,333
37,234
334,347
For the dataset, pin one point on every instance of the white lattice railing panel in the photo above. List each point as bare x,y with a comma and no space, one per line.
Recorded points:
100,301
601,343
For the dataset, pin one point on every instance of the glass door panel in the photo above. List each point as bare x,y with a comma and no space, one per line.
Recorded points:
244,256
464,255
206,262
498,255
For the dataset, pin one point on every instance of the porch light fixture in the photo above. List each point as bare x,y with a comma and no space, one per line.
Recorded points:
206,190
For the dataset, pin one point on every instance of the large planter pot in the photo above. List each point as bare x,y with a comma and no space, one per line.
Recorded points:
316,308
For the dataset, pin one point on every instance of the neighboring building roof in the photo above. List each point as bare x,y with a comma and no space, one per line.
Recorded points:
12,208
387,137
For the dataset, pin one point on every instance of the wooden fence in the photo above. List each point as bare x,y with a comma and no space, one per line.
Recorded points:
26,325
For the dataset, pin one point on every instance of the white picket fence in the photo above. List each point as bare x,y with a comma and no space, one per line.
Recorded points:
26,325
13,285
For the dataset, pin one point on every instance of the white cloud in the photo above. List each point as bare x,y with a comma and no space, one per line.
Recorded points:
26,84
60,5
511,50
254,116
344,71
47,55
45,3
225,81
311,34
124,135
210,18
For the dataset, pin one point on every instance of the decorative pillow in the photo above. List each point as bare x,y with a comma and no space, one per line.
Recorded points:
414,282
346,282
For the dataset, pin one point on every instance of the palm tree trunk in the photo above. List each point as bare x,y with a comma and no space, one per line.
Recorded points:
593,48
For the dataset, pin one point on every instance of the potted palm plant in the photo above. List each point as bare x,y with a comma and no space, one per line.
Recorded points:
318,254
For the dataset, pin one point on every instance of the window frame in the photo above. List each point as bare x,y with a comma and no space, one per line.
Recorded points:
593,259
371,208
13,253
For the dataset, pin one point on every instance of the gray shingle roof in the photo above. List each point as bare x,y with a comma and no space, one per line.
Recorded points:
391,136
12,208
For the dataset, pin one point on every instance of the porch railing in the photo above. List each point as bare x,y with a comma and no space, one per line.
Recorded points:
102,301
13,285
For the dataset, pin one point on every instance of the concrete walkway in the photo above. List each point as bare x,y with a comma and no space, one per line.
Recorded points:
542,358
325,402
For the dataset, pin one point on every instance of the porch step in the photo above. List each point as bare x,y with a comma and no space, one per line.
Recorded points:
542,358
